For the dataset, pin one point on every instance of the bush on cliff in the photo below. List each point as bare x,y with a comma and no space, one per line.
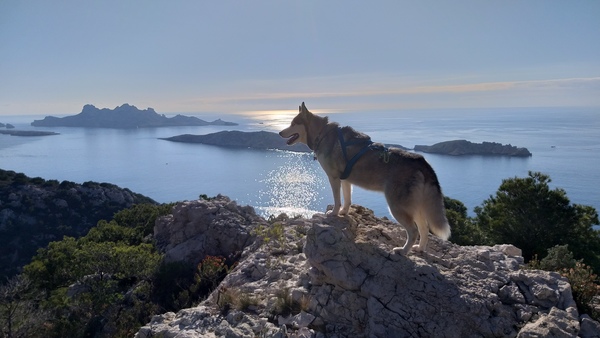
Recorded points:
107,283
584,282
525,212
464,230
34,212
101,282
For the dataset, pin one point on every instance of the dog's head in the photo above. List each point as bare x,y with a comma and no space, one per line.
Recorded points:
297,131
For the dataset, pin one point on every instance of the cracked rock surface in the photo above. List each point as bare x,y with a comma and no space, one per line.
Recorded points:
344,280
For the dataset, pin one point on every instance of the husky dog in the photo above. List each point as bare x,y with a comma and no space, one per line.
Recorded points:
349,157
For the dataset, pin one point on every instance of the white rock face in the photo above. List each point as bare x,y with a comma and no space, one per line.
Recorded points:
339,278
216,227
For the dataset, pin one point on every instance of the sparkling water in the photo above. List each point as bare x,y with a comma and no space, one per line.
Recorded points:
565,143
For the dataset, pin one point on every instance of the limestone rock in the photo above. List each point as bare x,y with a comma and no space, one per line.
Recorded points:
589,327
194,229
338,277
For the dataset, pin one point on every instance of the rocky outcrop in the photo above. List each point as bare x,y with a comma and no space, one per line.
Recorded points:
34,212
240,139
336,277
464,147
124,116
215,227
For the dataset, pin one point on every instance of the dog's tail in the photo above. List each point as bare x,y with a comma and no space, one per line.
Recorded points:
435,211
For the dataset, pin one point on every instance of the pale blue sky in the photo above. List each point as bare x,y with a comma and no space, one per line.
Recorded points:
236,56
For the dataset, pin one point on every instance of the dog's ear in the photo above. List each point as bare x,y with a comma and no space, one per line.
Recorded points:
303,108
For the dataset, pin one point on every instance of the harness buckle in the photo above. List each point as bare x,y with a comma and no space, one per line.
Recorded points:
385,155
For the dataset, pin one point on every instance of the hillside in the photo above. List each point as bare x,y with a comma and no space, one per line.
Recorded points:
213,268
124,116
464,147
34,212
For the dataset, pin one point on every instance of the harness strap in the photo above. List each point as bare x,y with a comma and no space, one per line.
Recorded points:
345,143
350,163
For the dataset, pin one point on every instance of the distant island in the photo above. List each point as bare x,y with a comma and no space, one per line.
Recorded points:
27,133
125,116
464,147
10,130
240,139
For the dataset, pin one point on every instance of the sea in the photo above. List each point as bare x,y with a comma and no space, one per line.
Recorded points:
565,143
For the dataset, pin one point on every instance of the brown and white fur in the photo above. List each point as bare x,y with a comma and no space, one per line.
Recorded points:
408,182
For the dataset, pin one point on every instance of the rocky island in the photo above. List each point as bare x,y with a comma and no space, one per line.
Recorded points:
10,130
27,133
464,147
124,116
253,140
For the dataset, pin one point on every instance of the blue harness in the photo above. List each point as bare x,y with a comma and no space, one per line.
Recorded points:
368,146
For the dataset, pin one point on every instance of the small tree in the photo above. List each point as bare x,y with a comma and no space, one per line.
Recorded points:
464,231
19,315
527,213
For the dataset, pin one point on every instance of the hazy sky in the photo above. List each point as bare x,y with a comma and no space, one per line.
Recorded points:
235,56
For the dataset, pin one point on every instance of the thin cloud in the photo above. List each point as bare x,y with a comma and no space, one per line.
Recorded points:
405,89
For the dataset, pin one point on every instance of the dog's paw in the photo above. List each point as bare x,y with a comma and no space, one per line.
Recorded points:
417,248
333,212
400,250
343,211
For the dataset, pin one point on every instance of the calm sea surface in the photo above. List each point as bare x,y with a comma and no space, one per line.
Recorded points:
565,143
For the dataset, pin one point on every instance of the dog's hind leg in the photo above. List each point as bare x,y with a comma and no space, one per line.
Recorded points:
335,189
347,192
406,220
423,227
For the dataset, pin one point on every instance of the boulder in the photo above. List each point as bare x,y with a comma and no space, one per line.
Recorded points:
195,229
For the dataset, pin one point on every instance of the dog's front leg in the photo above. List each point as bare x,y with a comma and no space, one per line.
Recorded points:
335,188
347,192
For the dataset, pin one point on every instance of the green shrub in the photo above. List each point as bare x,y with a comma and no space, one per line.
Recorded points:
585,287
559,257
285,305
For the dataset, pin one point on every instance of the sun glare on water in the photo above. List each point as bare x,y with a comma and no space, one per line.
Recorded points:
274,120
293,188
